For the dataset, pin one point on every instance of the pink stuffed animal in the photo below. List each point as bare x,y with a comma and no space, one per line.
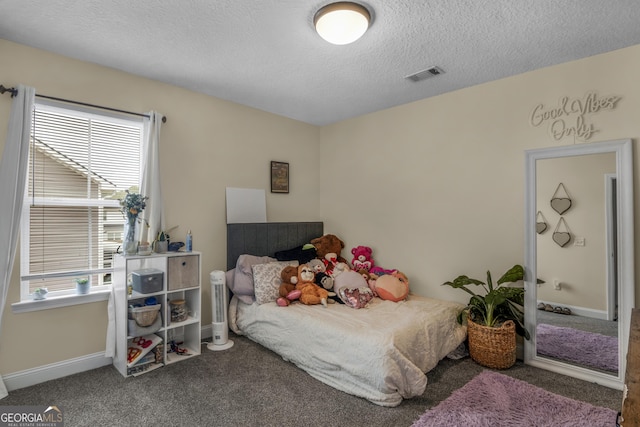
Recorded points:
362,259
391,287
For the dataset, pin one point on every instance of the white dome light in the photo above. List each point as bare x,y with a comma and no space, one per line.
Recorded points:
342,23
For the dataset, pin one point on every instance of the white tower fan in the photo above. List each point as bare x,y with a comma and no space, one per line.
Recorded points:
220,325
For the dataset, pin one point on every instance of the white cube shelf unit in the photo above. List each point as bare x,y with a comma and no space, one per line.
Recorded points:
180,283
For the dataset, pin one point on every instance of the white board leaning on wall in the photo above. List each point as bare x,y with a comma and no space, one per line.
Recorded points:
246,205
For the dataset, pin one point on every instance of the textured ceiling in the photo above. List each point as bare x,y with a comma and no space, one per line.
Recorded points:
265,53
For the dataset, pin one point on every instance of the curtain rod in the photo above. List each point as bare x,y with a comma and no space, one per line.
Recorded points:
14,92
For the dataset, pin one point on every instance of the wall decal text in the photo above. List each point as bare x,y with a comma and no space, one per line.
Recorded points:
571,116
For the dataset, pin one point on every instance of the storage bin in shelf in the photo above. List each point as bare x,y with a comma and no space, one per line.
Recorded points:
145,315
183,272
135,330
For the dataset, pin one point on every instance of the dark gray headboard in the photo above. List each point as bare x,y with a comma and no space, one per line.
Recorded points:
267,238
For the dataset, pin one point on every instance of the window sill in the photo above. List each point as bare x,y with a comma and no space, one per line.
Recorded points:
60,301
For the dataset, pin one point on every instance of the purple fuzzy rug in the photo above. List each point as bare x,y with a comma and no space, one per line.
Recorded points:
585,348
492,399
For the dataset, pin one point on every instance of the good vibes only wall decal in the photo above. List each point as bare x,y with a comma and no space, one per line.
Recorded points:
572,116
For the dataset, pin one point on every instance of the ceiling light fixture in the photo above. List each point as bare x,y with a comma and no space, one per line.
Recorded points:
342,23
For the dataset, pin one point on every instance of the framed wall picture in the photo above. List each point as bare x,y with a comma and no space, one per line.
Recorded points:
279,177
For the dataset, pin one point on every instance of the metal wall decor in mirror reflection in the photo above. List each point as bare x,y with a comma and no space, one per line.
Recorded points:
562,238
541,223
561,203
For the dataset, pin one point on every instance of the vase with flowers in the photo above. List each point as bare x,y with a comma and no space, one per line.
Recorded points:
131,205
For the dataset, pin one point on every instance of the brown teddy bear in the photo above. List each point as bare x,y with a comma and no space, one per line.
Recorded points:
326,244
287,290
310,293
289,277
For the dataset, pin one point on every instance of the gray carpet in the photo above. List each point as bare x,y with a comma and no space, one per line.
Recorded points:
249,385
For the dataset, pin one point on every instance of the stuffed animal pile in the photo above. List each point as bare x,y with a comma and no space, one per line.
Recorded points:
391,285
329,278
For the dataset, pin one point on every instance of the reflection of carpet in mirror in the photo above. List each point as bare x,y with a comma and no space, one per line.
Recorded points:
585,348
583,323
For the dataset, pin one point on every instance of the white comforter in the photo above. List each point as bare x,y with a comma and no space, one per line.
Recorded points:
380,353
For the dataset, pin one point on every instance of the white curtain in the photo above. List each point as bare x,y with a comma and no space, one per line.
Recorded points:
153,212
150,185
13,173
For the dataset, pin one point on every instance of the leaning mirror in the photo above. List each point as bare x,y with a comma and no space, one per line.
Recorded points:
579,268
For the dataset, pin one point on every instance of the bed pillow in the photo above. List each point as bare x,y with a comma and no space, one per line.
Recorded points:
266,280
229,277
242,284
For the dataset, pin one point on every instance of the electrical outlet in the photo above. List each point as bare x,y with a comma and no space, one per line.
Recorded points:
556,284
579,241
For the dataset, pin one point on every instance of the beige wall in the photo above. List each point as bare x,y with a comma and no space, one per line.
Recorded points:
581,270
435,187
207,145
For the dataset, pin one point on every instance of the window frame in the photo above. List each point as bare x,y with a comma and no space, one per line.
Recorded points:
66,297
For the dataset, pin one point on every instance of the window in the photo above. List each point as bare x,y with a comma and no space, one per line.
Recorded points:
80,164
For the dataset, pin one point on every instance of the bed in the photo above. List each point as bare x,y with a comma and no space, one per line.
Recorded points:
380,353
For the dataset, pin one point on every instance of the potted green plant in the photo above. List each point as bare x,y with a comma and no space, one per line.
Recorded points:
40,293
493,317
161,243
82,285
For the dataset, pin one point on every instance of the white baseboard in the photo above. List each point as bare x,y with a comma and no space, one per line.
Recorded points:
581,311
56,370
29,377
206,331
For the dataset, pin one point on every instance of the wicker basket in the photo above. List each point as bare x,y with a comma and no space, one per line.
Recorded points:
145,316
492,347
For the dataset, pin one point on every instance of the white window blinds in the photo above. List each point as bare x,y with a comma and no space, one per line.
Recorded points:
80,164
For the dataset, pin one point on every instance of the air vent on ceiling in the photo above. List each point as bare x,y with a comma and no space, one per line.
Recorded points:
425,74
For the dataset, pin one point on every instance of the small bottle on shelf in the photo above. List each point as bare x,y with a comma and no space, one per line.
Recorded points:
189,244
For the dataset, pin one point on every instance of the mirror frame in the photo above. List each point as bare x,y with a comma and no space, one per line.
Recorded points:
625,233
